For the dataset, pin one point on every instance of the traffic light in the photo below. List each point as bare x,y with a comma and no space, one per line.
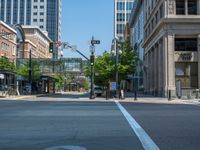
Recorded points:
51,47
92,60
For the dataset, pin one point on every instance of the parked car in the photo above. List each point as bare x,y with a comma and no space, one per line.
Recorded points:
98,91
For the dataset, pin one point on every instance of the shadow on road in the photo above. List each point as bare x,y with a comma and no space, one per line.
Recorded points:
66,95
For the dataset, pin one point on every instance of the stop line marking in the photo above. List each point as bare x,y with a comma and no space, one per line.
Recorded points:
145,139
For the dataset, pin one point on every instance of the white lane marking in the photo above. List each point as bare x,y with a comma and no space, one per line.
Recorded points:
147,142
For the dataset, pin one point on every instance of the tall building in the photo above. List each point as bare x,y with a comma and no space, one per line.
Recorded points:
172,47
137,38
46,14
122,11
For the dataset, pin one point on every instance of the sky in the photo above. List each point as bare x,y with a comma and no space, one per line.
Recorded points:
82,19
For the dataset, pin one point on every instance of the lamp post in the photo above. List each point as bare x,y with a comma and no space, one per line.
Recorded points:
115,51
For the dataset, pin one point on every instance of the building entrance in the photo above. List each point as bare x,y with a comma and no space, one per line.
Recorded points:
187,74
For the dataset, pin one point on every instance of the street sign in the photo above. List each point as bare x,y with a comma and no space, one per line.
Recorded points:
113,86
2,76
95,42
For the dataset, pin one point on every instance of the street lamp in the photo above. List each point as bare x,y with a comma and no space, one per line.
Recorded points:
116,51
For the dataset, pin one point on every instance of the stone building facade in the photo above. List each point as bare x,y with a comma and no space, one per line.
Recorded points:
172,46
7,41
37,41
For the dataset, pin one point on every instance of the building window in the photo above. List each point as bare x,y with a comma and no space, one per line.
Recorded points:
129,5
182,44
120,29
120,17
161,11
120,6
187,74
180,7
192,7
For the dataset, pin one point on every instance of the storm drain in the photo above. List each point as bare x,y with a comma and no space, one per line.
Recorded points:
66,148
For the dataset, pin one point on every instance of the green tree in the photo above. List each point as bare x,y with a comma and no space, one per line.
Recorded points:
5,64
127,60
105,65
23,70
60,81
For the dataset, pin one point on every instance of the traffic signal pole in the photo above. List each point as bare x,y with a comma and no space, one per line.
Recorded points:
92,96
91,60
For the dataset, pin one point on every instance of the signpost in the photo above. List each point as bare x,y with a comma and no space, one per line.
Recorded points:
92,49
113,86
93,42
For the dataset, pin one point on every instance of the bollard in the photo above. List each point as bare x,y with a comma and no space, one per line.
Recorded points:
197,93
135,95
170,95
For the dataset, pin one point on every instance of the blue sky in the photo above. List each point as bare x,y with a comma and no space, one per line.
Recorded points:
81,19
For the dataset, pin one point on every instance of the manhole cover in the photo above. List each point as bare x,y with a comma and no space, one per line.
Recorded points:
66,148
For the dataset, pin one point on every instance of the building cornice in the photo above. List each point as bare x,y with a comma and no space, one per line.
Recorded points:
7,26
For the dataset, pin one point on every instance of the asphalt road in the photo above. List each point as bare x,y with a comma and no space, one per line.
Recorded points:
28,125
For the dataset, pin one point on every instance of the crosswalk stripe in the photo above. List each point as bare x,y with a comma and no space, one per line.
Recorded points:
145,139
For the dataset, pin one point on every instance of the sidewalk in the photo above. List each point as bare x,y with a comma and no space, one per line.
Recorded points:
23,97
160,100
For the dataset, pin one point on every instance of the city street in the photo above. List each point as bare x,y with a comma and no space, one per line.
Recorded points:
97,125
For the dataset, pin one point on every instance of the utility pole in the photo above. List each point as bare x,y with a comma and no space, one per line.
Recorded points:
30,71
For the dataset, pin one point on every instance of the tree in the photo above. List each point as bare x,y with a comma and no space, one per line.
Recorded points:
23,70
105,65
60,81
104,69
127,60
5,64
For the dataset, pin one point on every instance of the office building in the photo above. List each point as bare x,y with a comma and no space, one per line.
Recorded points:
46,14
122,11
37,41
171,43
136,23
7,41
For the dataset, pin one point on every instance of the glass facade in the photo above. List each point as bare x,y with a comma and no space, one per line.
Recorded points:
2,14
137,39
28,12
15,11
21,11
123,10
52,24
8,11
